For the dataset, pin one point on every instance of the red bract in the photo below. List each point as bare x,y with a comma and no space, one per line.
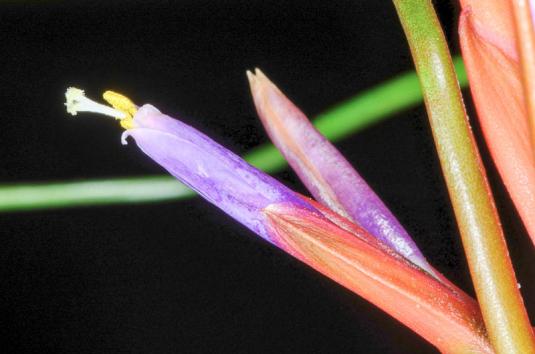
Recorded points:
447,318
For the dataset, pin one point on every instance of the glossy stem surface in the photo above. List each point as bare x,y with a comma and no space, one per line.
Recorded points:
484,244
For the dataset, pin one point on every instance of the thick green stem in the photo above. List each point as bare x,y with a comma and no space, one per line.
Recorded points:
491,269
355,114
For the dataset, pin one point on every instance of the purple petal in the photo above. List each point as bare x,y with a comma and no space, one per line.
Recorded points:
317,236
216,173
325,172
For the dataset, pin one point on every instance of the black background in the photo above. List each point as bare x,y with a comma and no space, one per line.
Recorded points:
181,276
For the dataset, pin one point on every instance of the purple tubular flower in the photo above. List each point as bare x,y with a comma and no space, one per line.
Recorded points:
325,172
305,229
217,174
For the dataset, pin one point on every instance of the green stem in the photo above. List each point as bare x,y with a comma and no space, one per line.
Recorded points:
30,196
343,120
492,273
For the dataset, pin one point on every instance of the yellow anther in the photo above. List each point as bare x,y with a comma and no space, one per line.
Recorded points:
123,104
123,109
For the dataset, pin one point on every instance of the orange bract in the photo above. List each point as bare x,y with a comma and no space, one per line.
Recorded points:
488,44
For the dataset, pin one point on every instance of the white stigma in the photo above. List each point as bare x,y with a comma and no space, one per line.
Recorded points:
77,102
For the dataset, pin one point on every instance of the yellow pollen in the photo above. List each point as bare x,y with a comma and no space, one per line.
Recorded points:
123,104
123,108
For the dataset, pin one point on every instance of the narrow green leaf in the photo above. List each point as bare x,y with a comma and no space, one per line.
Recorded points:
349,117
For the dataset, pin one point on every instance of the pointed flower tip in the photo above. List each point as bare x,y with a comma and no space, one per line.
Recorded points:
259,80
261,75
255,83
251,77
328,176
